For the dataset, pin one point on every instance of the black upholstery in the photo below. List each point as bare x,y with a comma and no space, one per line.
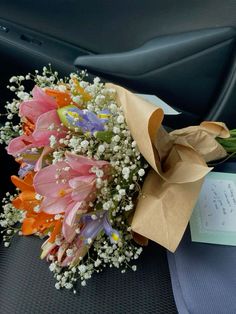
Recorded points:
187,70
27,286
104,26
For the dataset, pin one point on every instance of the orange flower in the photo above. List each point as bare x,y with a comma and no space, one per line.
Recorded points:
34,221
80,90
62,98
56,231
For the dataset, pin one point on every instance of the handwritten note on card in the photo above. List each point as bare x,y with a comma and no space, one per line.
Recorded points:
214,216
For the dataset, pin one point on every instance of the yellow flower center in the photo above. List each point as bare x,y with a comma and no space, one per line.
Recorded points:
103,115
62,193
115,237
73,115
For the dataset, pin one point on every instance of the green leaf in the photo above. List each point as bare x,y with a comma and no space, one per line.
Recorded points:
104,136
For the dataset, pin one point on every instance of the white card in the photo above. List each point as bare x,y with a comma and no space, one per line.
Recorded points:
214,216
168,110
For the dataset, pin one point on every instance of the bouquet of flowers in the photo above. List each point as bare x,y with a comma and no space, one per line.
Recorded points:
84,151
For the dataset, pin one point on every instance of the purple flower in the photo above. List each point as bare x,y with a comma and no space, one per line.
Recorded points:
104,115
96,222
24,169
29,160
33,160
84,119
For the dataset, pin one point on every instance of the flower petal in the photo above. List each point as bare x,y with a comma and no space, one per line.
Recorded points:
47,247
56,231
48,181
28,226
91,229
61,251
42,130
40,95
40,104
62,98
20,144
83,164
68,232
69,223
23,184
82,187
71,212
112,233
76,258
24,169
55,206
45,152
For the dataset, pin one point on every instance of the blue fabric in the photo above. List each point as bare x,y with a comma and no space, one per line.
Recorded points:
203,277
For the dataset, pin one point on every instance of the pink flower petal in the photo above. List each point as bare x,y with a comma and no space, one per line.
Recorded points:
42,130
76,182
69,223
40,104
55,206
71,212
67,260
47,247
68,232
20,144
82,187
39,94
80,253
75,259
48,181
45,152
83,164
61,251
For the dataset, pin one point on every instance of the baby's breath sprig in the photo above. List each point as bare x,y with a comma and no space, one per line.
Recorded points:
10,219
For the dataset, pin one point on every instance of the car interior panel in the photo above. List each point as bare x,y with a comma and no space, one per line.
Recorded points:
181,51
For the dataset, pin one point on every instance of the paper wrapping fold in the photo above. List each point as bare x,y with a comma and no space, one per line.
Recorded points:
202,138
178,162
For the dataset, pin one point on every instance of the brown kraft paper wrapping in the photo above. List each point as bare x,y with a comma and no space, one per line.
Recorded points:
178,160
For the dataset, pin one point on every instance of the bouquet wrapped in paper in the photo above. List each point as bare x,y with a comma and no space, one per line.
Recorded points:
98,173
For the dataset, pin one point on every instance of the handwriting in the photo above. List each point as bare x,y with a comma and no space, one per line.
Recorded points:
217,205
